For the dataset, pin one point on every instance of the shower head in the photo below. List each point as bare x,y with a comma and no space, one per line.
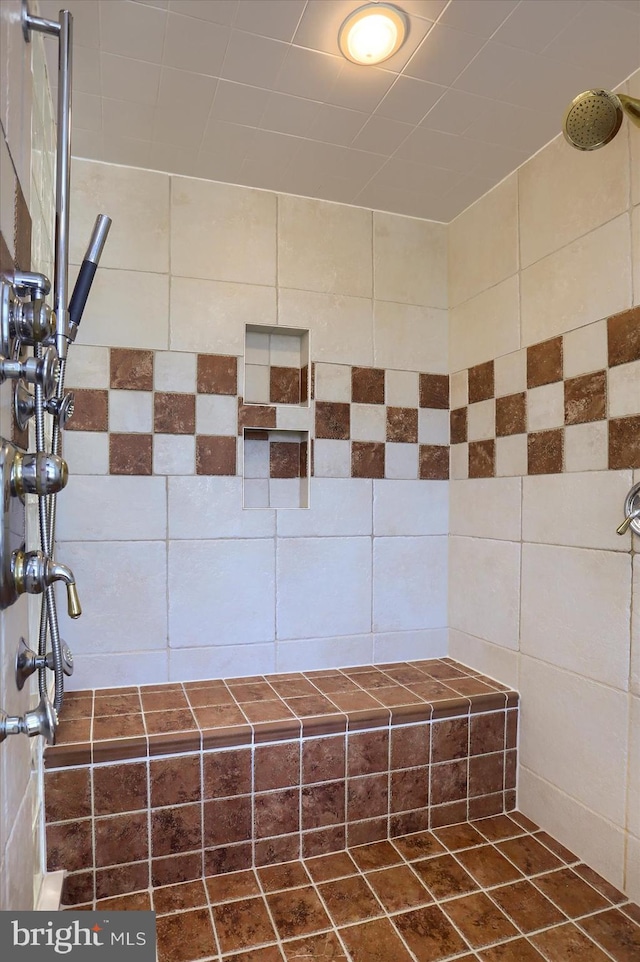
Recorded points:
594,117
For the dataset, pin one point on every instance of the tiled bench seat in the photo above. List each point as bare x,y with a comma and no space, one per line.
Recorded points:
163,784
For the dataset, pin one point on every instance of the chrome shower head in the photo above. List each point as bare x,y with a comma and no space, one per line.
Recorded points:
594,117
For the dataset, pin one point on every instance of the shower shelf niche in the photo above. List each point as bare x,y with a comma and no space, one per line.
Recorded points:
275,469
276,365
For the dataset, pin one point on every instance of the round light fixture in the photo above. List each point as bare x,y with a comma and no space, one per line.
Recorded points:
372,33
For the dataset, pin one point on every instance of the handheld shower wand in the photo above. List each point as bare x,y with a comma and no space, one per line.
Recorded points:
87,272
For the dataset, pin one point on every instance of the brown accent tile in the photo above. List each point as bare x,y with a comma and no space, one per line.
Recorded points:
90,411
228,858
488,866
444,877
434,462
226,773
484,805
174,743
366,831
174,413
367,797
22,230
118,749
529,855
284,385
632,910
511,415
206,697
298,912
498,828
458,425
174,720
175,830
568,942
481,382
525,822
323,805
600,884
304,384
333,866
516,951
333,420
121,838
623,331
120,788
119,879
479,920
305,706
367,459
429,934
571,893
528,908
544,362
276,813
322,840
325,946
410,746
349,900
449,739
288,875
449,782
545,452
217,374
556,847
69,845
482,459
276,766
266,711
185,936
255,416
402,425
130,454
176,868
114,704
227,820
323,759
135,902
280,848
409,789
233,885
487,733
78,887
284,459
434,391
624,443
175,898
215,454
67,794
398,888
118,726
418,846
367,385
367,752
457,837
162,700
375,855
585,398
407,822
130,370
486,774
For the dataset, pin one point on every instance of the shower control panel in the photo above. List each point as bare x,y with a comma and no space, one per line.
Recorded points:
631,512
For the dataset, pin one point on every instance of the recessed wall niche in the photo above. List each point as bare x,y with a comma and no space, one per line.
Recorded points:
275,469
276,365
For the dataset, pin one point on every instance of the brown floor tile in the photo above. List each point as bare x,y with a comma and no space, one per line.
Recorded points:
556,847
398,888
134,902
605,888
325,867
243,924
419,845
498,827
326,947
429,934
529,855
289,875
185,937
571,893
298,912
528,908
566,943
375,855
270,953
349,900
444,877
374,942
632,910
174,869
488,866
479,920
234,885
525,822
616,933
517,951
175,898
456,837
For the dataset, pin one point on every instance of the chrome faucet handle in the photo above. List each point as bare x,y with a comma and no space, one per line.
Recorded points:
626,524
40,474
41,720
27,662
44,371
33,572
631,511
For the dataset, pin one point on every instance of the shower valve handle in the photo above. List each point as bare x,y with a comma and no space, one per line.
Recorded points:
40,474
39,721
33,572
43,371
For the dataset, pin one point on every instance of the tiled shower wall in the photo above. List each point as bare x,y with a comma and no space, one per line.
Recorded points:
543,593
177,580
26,223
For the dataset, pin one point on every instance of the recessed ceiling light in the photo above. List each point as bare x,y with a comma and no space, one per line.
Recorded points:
372,33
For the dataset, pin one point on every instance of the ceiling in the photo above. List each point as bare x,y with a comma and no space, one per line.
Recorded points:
255,92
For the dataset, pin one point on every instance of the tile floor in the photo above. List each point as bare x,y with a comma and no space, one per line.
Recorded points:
493,890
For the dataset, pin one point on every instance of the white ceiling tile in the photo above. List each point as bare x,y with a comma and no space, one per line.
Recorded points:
381,135
408,100
253,60
226,142
277,20
308,73
238,103
87,111
301,180
289,115
132,29
548,86
122,118
494,160
427,9
532,26
86,19
216,11
443,54
469,190
180,127
360,88
163,4
195,45
131,153
337,189
435,148
410,176
507,124
456,110
180,87
602,34
320,23
482,19
173,160
490,72
334,161
126,79
336,125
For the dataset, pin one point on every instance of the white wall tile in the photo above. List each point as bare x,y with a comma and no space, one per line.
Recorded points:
459,389
545,407
221,661
131,412
599,266
341,327
87,366
409,338
311,654
112,508
486,508
401,461
585,350
586,447
633,791
401,389
624,389
485,326
257,347
86,452
632,874
210,507
95,670
210,316
433,426
137,202
459,461
580,509
221,592
338,507
127,309
410,645
404,508
257,383
333,382
410,583
324,247
567,723
635,629
481,420
174,454
576,606
216,414
368,422
492,660
324,582
223,233
123,592
255,493
485,595
174,371
510,373
332,459
410,260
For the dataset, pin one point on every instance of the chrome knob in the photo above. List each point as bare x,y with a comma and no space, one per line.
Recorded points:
40,474
43,370
27,662
39,721
24,406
